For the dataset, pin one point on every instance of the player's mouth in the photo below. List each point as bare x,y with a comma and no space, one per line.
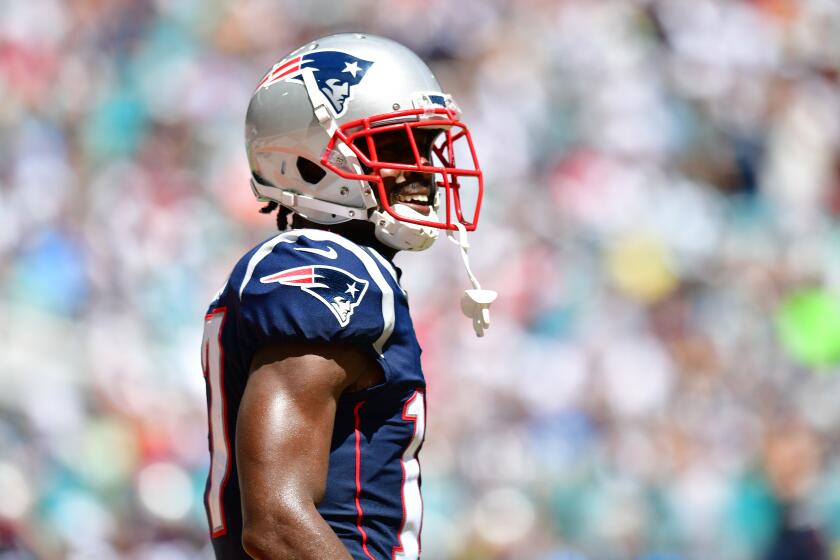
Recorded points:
417,197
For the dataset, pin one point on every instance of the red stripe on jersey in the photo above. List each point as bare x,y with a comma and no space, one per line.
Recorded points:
357,422
296,276
303,280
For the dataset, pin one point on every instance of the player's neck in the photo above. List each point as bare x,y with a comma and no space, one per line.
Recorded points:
357,231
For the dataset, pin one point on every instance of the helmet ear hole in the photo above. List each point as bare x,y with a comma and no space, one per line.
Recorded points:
309,171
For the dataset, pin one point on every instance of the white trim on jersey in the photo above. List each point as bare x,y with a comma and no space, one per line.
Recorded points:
261,253
386,264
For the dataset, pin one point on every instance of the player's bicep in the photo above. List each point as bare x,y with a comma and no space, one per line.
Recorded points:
285,422
284,428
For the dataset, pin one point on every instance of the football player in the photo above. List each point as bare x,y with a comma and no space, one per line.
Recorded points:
316,398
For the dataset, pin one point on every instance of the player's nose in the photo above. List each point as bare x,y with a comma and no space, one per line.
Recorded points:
402,175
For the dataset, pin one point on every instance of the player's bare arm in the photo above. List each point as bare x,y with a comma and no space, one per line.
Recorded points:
283,443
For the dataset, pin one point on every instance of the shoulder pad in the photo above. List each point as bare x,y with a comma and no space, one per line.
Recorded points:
312,285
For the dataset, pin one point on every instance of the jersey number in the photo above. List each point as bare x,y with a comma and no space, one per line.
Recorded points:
409,536
212,361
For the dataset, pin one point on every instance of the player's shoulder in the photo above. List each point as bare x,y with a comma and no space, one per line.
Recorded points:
284,257
310,276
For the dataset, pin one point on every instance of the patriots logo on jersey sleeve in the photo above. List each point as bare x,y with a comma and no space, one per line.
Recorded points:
336,288
335,72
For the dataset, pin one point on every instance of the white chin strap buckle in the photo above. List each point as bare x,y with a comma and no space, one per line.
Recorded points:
475,303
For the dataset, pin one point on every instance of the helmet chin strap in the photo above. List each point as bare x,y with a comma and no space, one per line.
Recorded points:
400,235
475,303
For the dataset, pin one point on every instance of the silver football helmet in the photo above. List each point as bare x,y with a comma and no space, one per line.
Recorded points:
356,127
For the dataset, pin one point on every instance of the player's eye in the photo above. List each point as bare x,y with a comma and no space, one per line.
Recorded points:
395,146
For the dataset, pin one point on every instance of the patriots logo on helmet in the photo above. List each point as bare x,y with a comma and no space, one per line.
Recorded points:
335,73
336,288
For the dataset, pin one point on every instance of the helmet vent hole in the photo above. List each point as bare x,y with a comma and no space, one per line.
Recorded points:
283,167
310,171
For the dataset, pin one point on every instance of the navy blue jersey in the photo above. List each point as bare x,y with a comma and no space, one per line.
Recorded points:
313,285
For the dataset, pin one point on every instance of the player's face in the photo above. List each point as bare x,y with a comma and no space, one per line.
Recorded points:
411,188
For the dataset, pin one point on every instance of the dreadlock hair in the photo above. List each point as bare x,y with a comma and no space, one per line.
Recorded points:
283,214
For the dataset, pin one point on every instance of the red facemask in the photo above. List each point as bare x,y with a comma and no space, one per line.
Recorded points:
462,187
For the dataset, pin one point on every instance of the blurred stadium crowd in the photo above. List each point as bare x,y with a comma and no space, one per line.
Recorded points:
661,221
